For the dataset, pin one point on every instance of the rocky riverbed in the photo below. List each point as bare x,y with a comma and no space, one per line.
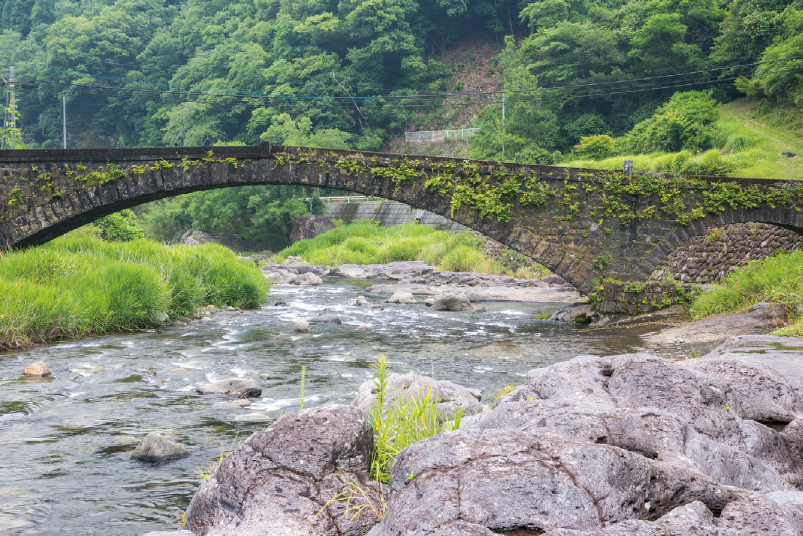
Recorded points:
630,444
419,279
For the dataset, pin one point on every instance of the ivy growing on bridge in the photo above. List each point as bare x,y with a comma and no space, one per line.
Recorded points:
493,189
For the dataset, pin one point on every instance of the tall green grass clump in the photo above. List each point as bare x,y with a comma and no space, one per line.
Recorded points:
80,285
409,419
366,243
777,279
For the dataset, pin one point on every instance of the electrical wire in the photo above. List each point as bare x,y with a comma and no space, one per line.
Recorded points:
419,98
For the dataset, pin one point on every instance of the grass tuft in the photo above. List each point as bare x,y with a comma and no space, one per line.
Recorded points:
777,279
409,419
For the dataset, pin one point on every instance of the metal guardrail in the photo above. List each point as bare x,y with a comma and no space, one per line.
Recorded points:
434,136
349,199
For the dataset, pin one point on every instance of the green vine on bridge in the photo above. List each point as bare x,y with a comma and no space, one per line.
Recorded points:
493,189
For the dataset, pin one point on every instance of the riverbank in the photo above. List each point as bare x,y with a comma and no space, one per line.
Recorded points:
76,286
365,243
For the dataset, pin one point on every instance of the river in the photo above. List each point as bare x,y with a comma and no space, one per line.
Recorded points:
66,440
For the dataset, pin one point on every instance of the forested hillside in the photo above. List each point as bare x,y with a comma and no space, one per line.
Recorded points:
355,72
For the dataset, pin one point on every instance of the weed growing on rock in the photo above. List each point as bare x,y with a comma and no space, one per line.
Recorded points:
206,471
409,419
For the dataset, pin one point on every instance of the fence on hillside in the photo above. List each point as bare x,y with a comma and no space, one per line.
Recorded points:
434,136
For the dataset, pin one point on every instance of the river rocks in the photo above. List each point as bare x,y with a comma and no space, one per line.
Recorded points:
301,326
264,376
156,448
361,302
37,369
294,274
326,319
449,395
232,386
630,444
280,478
402,297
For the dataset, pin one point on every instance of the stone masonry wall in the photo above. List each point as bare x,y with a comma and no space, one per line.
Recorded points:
613,297
708,258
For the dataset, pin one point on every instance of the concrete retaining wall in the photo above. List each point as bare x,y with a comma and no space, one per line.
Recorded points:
389,213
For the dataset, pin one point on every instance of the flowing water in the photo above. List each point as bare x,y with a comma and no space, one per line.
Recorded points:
66,440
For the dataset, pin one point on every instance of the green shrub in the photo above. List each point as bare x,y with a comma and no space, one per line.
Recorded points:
121,226
687,121
596,147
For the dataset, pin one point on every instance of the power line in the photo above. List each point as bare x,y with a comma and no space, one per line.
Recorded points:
419,98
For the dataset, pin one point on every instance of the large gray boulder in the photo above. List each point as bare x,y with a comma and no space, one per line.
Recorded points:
454,301
280,478
506,480
232,386
157,448
449,396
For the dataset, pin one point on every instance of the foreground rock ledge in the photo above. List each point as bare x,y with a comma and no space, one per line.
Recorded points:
622,445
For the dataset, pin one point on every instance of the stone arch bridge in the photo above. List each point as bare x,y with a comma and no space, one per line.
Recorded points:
583,224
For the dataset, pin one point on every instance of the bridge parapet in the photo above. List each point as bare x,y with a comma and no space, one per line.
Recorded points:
583,224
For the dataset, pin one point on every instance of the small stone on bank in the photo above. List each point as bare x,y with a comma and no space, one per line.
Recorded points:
252,417
156,448
37,369
302,326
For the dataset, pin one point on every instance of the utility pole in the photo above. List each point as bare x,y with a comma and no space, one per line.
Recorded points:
64,119
503,124
13,105
5,119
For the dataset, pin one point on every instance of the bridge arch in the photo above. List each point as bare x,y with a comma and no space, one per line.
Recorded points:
582,224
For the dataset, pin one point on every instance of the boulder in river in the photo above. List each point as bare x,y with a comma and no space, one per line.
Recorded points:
454,301
232,386
278,481
156,448
301,326
37,369
326,319
402,297
305,279
449,395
